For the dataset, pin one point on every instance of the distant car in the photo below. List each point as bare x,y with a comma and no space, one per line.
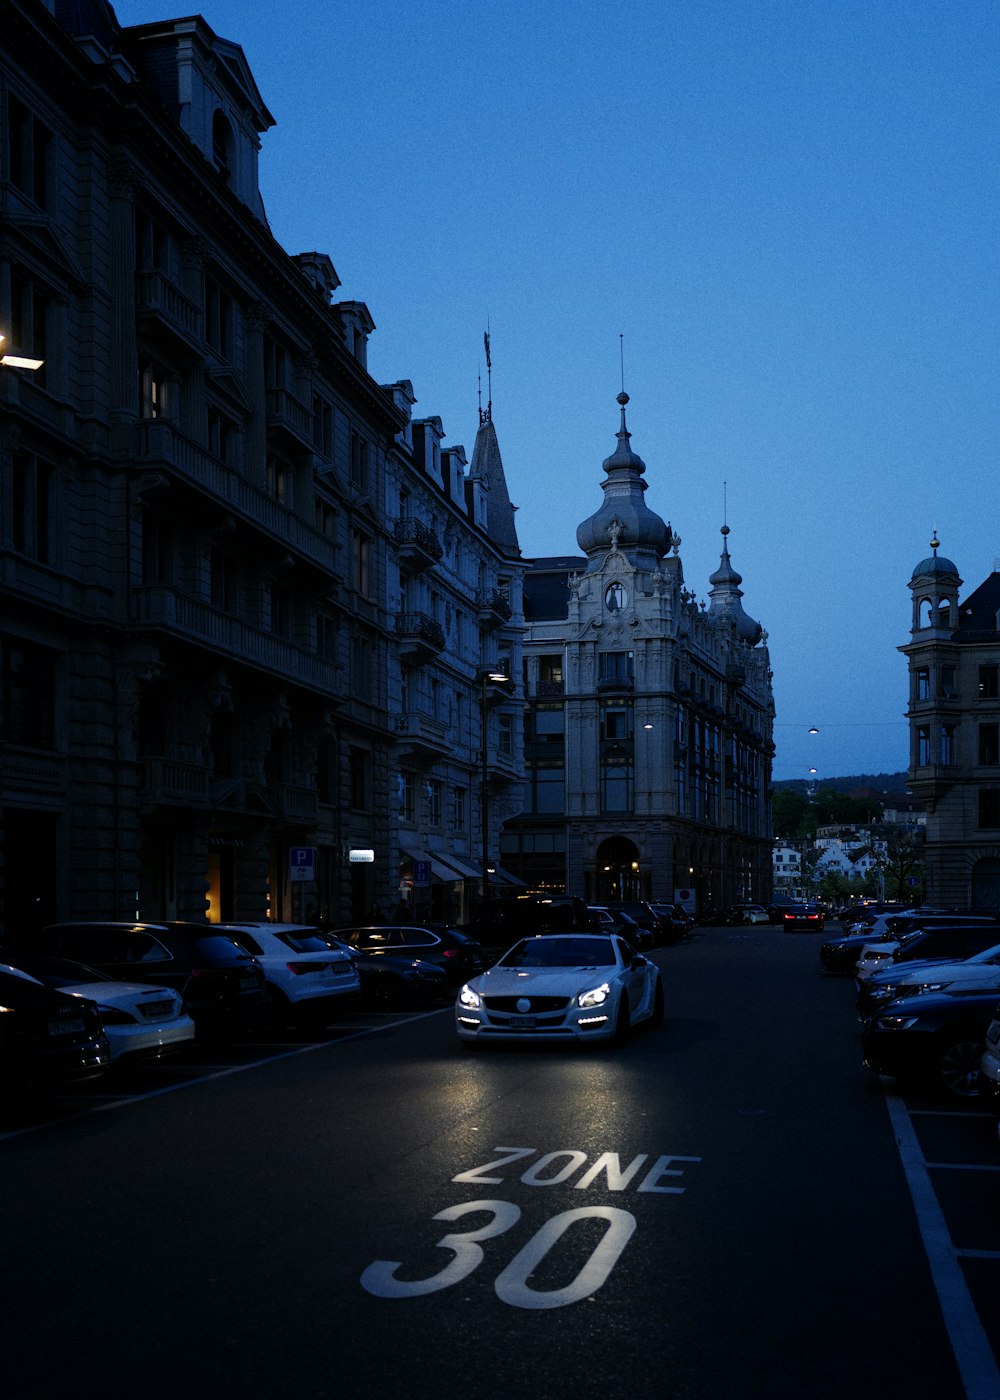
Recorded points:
803,916
658,918
561,987
307,980
390,981
617,921
142,1022
743,914
935,1041
47,1037
459,956
222,986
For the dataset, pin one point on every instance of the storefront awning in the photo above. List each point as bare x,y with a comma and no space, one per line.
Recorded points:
438,869
504,877
463,870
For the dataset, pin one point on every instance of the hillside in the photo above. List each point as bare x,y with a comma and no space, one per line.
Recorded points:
861,783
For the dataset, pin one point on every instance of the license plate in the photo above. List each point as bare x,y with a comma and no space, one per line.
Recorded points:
341,969
72,1027
522,1021
156,1008
248,983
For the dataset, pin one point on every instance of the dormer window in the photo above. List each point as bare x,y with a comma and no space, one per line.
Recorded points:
223,145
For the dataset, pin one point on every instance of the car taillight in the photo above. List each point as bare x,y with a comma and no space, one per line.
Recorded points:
451,952
299,967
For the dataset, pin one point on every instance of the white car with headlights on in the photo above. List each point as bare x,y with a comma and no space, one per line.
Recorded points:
561,987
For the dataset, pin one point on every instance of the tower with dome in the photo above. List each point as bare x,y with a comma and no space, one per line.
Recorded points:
954,715
648,715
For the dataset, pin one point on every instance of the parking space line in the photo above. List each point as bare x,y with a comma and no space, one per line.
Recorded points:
960,1167
973,1354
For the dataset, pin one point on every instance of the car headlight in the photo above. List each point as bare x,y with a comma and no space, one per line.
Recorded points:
597,996
895,1023
469,998
933,986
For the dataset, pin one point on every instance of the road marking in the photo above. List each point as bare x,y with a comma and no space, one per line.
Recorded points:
973,1353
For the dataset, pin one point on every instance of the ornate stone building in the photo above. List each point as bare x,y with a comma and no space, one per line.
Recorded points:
648,718
954,715
226,633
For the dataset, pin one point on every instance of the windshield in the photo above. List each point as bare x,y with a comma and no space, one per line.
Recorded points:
561,952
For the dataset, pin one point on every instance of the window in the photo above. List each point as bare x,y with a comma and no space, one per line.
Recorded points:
616,785
156,391
33,494
30,309
223,145
617,723
361,668
616,665
988,687
949,686
326,637
281,482
357,769
29,153
505,734
923,746
404,787
156,549
433,793
27,694
322,427
550,669
989,745
989,807
923,683
459,808
223,576
326,520
947,752
359,461
218,319
360,563
549,791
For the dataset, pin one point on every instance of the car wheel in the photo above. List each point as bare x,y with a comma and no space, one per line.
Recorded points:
958,1069
657,1016
623,1021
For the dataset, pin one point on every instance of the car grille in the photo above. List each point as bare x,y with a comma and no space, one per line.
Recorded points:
156,1009
538,1004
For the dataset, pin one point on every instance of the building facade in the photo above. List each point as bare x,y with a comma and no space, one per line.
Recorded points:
954,716
231,653
648,717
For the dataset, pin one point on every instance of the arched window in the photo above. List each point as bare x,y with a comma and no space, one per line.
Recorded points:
926,618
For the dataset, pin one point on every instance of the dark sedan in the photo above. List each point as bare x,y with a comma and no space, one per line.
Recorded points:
459,956
803,916
47,1037
394,980
934,1040
223,988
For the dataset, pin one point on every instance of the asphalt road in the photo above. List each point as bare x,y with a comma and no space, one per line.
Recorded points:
717,1210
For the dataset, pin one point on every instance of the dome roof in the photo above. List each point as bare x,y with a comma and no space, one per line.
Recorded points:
726,594
624,517
935,564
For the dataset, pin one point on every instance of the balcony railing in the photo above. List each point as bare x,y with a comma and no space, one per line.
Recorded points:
158,299
419,546
420,637
612,684
286,414
494,609
168,781
160,444
421,737
159,605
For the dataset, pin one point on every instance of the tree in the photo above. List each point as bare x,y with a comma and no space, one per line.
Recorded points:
898,852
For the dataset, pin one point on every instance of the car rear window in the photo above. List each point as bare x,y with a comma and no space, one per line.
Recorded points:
303,942
216,950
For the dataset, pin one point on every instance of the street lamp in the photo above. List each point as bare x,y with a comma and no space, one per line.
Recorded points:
486,679
17,361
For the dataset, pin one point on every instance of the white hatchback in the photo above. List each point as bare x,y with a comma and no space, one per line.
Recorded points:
307,979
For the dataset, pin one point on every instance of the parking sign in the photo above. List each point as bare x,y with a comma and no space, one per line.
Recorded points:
302,863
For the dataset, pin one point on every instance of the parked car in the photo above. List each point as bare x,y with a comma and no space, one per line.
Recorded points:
803,916
561,987
743,914
679,921
307,979
839,955
142,1022
458,955
393,980
989,1067
47,1037
951,943
657,918
617,921
498,923
977,973
937,1040
222,986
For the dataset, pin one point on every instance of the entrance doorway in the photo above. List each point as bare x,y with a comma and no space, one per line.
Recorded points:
618,876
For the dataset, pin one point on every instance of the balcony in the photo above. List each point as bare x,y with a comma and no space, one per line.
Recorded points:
165,311
188,619
612,685
289,418
161,446
166,782
295,804
422,740
549,690
419,547
420,638
493,608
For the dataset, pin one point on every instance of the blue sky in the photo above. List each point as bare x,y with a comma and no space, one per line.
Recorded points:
790,211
